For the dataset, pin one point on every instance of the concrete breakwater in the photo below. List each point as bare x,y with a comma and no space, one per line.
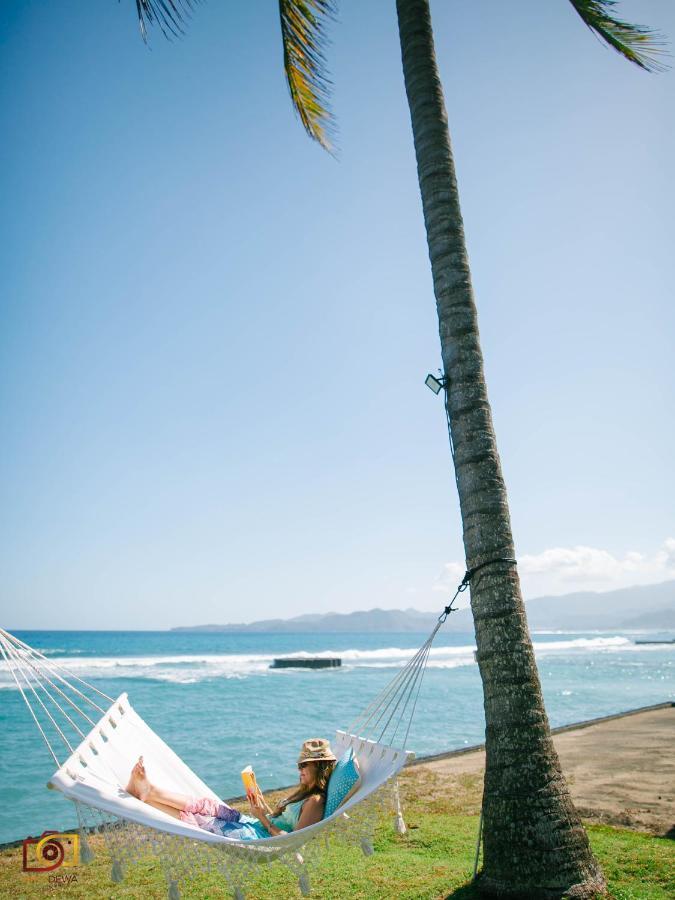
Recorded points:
317,662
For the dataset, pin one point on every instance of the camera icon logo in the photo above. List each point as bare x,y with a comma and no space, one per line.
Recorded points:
50,851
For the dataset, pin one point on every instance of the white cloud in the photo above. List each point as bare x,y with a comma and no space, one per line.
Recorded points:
452,574
561,570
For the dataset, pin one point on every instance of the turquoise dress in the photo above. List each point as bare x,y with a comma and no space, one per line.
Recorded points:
250,829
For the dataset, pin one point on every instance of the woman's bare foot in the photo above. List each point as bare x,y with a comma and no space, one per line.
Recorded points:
139,786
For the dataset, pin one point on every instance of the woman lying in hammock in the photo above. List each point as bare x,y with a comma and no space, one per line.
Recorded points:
303,807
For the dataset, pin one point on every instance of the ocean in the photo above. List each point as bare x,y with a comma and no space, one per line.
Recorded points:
215,700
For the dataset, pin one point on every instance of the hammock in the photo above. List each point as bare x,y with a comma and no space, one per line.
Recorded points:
102,744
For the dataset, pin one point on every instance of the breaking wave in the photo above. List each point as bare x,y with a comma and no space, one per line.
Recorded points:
192,668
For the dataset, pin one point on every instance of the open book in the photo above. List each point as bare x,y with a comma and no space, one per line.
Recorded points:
253,792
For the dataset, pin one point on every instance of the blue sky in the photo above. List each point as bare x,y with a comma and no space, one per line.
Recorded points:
213,336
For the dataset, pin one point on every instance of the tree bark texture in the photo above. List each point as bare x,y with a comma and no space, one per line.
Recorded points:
534,843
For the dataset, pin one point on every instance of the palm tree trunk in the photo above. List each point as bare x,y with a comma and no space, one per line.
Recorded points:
534,843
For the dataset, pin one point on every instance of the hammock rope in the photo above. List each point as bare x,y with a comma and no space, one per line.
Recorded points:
411,675
35,670
39,679
27,702
25,673
51,665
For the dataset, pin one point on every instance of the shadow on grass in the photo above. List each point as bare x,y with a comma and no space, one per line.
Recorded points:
466,892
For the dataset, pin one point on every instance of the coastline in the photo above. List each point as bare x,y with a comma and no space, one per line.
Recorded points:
561,729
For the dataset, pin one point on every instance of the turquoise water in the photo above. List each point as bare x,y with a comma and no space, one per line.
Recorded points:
215,700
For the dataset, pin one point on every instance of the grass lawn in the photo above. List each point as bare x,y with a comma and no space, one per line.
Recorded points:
433,860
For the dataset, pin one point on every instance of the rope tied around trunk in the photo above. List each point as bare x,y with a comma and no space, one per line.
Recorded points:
468,575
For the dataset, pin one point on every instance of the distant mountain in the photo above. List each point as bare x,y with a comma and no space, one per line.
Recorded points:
658,618
649,606
381,620
590,610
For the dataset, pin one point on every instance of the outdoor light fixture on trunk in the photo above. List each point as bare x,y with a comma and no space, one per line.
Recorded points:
534,843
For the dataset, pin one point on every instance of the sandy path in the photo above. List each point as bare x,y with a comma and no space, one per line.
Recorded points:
620,770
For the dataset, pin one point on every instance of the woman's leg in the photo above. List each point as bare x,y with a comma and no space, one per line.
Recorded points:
167,798
140,787
170,810
180,806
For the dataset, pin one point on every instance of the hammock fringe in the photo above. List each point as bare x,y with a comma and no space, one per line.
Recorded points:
182,859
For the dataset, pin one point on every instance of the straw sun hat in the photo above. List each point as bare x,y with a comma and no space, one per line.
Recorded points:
314,750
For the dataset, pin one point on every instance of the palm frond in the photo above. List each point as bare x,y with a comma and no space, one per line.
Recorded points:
168,15
642,46
304,39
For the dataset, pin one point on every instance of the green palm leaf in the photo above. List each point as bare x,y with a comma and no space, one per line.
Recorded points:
642,46
304,39
169,15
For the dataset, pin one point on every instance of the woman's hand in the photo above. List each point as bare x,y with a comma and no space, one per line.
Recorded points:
256,807
260,813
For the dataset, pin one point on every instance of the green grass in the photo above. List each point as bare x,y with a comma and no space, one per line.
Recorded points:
433,860
636,866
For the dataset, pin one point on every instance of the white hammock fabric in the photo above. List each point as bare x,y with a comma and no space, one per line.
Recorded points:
104,742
